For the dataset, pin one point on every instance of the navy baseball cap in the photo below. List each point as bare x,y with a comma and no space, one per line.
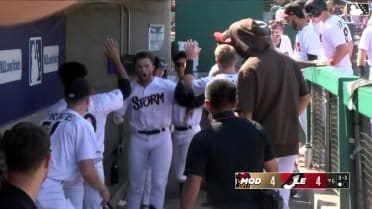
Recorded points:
293,8
77,89
160,63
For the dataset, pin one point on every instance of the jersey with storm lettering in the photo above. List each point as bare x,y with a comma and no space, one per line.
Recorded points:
334,33
150,107
100,105
72,140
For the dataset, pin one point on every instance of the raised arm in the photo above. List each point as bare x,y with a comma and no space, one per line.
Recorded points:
192,51
184,93
112,52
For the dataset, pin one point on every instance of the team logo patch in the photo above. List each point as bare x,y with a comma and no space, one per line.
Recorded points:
358,9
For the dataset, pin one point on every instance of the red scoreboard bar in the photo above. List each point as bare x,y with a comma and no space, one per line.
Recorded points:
247,180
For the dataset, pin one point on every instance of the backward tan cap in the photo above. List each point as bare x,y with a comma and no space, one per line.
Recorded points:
249,37
251,27
24,11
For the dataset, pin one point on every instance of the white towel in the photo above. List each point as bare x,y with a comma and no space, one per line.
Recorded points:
352,87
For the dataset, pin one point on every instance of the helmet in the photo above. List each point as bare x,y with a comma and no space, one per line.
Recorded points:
315,7
160,63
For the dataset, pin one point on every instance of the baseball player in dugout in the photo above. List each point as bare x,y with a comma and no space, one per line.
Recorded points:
229,145
160,71
160,67
26,149
100,105
74,152
307,43
336,40
272,93
364,51
226,59
186,123
150,145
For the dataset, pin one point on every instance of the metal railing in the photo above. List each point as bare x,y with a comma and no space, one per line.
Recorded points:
330,125
362,153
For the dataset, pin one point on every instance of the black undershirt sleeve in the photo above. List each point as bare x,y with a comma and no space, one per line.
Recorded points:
124,86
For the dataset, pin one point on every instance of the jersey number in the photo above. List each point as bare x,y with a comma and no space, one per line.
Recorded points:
346,33
51,126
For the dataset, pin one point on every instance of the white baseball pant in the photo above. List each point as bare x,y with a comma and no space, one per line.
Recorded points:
181,142
303,121
74,191
92,199
286,165
157,150
147,187
52,196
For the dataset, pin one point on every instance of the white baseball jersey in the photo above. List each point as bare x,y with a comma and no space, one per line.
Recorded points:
150,107
336,32
365,43
100,105
214,70
72,140
285,45
318,28
180,119
198,85
307,42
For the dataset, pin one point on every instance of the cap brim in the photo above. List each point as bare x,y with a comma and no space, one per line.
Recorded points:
25,11
220,37
283,15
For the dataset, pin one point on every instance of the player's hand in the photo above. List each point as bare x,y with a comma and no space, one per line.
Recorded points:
105,194
112,49
191,49
117,119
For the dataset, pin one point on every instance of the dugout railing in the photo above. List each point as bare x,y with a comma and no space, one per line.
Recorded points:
339,130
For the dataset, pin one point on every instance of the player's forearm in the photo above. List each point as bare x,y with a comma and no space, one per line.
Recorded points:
304,64
90,175
303,102
361,58
271,166
341,51
188,75
120,70
190,192
350,46
125,88
123,78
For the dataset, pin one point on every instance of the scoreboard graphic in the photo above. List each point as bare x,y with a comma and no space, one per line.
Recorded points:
247,180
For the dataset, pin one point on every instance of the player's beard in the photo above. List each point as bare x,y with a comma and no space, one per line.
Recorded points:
294,25
144,78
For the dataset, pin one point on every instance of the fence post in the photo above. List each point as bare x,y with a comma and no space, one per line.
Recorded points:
344,134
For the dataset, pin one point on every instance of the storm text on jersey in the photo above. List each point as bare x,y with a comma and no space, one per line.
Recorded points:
139,103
